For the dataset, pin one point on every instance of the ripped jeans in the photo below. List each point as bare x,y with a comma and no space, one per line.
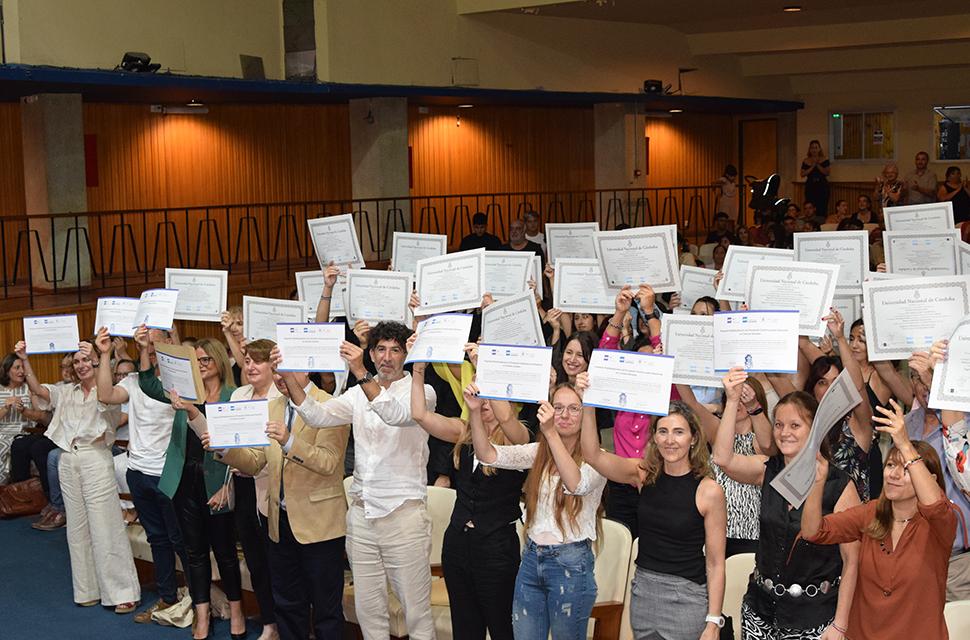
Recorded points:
555,590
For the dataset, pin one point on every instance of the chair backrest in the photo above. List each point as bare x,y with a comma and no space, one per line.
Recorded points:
706,254
441,502
347,482
626,631
957,615
612,568
737,570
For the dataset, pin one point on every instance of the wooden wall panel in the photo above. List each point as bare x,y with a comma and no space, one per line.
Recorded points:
500,149
11,160
233,154
689,149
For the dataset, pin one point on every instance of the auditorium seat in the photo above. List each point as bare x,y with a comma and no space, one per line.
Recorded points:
957,615
626,631
737,572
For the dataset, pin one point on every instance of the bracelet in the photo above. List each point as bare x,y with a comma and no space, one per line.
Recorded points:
912,462
322,297
756,412
838,628
618,327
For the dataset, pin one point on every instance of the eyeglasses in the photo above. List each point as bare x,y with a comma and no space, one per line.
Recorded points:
572,409
205,361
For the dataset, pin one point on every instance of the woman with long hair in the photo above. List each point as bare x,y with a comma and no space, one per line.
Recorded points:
15,397
555,588
197,484
678,588
480,552
798,591
906,536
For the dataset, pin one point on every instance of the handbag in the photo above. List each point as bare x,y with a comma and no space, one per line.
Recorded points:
24,498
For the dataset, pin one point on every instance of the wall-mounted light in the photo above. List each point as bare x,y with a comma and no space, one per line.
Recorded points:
676,111
792,8
458,120
179,109
195,104
465,106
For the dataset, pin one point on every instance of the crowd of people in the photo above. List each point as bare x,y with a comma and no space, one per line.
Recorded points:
875,552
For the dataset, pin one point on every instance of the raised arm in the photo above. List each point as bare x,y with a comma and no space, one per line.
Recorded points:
330,275
33,384
515,431
235,348
893,423
862,426
108,393
742,468
613,467
812,507
447,429
764,439
897,386
484,449
568,469
709,421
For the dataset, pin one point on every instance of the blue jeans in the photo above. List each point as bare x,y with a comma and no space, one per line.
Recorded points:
555,590
157,515
54,479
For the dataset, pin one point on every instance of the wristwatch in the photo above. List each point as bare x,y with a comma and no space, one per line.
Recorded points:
367,378
718,620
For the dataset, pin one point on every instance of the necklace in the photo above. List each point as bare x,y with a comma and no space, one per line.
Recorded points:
905,520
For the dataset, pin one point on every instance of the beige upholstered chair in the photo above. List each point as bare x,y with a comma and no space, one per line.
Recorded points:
737,571
957,616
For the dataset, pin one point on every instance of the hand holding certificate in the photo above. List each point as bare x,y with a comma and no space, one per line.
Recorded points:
237,424
506,273
451,282
260,315
117,315
765,341
629,381
178,369
695,283
517,374
690,339
51,334
310,347
579,288
376,296
156,308
513,321
735,268
441,338
807,287
644,255
795,481
202,293
951,379
335,240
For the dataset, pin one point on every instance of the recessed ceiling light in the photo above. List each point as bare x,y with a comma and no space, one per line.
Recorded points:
792,8
676,111
465,106
194,103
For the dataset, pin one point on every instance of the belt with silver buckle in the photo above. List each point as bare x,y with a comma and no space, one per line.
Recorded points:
795,590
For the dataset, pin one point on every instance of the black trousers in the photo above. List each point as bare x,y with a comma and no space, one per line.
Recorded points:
201,530
480,576
253,540
305,576
32,447
622,501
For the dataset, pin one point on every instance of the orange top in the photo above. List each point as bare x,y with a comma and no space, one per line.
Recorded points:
900,592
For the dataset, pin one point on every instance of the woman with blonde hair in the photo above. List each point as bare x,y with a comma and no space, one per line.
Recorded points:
906,536
555,588
678,588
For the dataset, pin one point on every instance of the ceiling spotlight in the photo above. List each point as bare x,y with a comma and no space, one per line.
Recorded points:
194,104
676,111
792,8
465,106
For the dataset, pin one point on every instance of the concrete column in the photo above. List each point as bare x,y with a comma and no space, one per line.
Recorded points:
619,158
53,149
379,161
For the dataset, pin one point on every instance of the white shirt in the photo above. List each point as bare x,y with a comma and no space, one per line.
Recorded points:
390,449
78,419
539,239
150,428
14,422
544,529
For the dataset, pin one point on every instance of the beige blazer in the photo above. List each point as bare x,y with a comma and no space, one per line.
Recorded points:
313,473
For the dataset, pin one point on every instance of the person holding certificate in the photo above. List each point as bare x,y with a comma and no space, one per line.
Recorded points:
197,484
798,589
679,581
480,553
906,537
387,524
102,567
562,494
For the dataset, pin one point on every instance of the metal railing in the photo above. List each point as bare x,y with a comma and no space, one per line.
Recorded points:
124,252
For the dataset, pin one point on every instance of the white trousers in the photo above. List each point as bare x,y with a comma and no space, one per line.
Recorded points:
395,548
102,567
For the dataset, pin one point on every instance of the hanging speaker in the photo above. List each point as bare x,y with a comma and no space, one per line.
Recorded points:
653,86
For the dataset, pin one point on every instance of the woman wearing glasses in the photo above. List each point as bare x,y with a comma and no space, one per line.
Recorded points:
555,588
196,483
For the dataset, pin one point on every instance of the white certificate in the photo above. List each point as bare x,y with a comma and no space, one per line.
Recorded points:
765,341
795,481
335,240
964,258
921,254
806,286
178,370
408,248
202,293
851,309
117,315
309,289
570,240
452,282
310,346
629,381
51,334
877,275
156,308
933,216
515,373
441,338
735,268
260,316
848,249
536,275
579,288
237,424
690,339
507,272
644,255
514,320
378,296
951,379
906,315
695,282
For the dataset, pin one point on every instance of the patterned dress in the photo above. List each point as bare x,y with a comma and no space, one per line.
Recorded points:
743,500
11,425
851,458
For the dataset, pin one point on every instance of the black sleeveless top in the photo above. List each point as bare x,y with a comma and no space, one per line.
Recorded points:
961,203
490,502
671,529
810,564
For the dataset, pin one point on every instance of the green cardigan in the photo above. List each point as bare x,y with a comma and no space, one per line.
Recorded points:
214,471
